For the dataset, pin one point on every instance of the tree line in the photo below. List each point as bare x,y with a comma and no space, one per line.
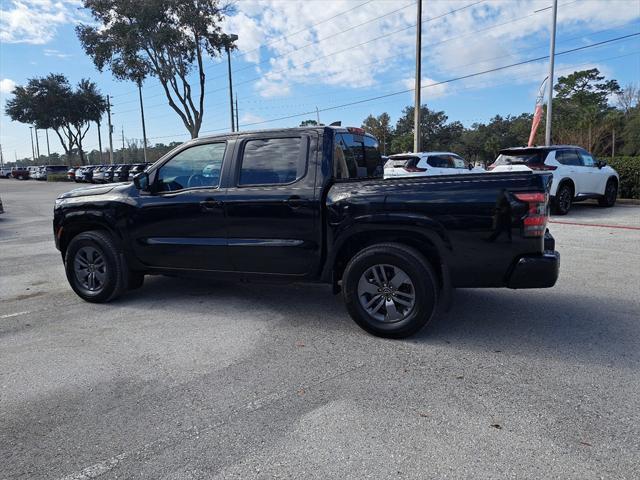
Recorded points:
588,111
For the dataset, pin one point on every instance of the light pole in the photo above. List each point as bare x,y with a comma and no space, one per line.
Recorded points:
33,150
144,128
416,111
552,54
232,38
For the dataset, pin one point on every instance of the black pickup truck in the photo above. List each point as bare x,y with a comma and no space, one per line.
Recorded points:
310,204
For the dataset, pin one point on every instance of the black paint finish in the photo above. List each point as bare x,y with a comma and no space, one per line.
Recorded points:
471,225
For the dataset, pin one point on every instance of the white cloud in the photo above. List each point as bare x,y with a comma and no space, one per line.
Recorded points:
7,85
298,47
50,52
35,21
249,117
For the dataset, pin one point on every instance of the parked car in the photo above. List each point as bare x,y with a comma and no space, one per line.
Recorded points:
121,173
98,174
109,173
5,172
577,175
88,172
426,164
310,204
71,174
52,170
136,169
1,207
20,173
33,171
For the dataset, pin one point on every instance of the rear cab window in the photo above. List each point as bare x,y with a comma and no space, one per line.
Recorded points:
273,161
356,155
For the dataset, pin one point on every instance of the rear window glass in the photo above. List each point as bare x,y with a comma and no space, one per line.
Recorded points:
272,161
356,156
521,157
400,162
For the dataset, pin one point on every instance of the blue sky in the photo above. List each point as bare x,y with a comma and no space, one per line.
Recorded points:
294,57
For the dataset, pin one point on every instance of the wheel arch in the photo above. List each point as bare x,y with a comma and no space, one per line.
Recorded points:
565,181
73,228
421,241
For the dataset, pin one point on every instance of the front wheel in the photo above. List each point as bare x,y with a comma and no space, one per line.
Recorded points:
390,290
94,267
610,194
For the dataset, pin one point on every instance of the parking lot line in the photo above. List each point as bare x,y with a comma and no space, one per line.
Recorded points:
601,225
9,315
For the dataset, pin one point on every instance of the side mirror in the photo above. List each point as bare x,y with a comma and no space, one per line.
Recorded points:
470,166
141,181
600,164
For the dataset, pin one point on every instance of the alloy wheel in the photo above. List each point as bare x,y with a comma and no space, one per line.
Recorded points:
386,293
90,268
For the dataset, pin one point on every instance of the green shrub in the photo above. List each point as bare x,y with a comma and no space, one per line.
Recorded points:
629,170
57,177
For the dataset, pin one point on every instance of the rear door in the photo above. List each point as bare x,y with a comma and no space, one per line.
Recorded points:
271,204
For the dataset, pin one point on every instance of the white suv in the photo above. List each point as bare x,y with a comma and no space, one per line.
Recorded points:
577,175
424,164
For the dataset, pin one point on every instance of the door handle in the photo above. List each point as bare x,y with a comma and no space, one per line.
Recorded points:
210,204
294,201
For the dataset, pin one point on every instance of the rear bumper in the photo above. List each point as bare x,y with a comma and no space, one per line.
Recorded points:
535,271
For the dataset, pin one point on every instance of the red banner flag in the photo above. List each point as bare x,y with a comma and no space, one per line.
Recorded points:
537,114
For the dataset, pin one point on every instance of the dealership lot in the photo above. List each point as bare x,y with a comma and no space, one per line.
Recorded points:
187,380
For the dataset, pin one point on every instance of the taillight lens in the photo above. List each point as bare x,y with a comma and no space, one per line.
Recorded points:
535,220
491,167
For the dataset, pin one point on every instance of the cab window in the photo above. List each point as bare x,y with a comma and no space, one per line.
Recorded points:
356,156
273,161
197,166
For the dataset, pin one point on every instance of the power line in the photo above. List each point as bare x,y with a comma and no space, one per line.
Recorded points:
316,59
450,80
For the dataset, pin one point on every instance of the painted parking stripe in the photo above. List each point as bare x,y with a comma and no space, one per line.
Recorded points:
600,225
17,314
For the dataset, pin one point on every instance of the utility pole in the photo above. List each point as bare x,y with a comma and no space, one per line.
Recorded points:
317,115
552,55
123,144
1,157
416,111
99,143
46,133
237,120
110,132
232,38
613,143
33,150
37,144
144,129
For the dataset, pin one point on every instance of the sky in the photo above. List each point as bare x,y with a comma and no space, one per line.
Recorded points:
345,58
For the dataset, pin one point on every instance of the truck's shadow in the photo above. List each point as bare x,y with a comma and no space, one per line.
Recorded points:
583,328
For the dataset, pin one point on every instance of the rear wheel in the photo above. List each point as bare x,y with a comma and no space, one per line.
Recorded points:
610,194
390,290
564,199
95,269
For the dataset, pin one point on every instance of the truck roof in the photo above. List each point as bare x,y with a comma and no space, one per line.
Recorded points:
283,130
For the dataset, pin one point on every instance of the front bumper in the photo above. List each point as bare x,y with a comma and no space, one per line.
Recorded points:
535,271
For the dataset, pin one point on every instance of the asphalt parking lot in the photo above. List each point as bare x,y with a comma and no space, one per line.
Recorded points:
189,380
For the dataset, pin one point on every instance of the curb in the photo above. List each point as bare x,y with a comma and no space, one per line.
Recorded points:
628,201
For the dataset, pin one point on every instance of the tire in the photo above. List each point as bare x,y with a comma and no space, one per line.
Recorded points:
95,251
563,200
359,288
610,194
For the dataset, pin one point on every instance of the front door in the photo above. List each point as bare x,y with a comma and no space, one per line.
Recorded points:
181,223
271,205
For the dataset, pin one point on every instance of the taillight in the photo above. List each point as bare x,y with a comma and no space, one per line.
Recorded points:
542,167
491,167
414,169
535,221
